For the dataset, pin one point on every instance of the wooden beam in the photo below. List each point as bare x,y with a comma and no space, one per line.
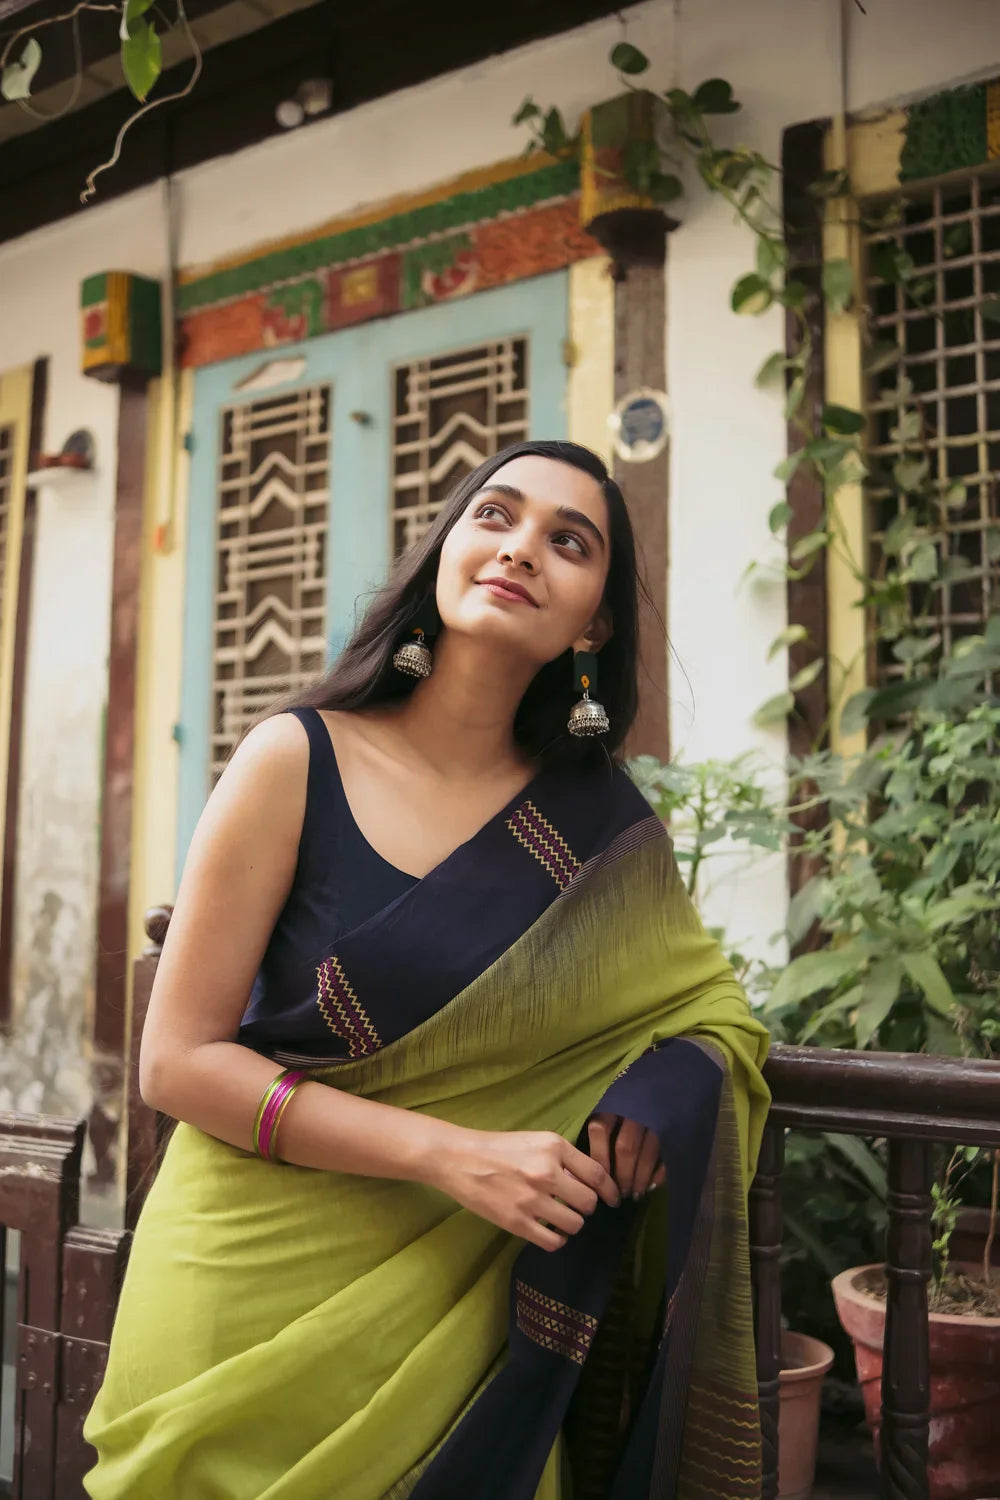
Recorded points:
367,51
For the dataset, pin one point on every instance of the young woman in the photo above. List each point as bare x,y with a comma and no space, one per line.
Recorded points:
406,1240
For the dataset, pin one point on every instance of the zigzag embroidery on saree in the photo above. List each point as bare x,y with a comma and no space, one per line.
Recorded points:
722,1459
554,1325
342,1011
540,839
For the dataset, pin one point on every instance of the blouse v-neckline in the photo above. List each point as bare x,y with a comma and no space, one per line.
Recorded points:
482,830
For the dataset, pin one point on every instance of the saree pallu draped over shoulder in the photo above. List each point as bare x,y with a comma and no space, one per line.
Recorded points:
285,1334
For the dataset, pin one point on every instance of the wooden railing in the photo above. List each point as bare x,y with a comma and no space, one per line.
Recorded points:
69,1275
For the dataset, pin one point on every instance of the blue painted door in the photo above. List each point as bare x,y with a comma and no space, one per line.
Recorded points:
355,374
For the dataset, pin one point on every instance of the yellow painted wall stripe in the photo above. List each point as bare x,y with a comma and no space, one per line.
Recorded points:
15,413
844,387
591,381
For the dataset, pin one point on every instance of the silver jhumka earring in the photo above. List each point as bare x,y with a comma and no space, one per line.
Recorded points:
415,657
588,717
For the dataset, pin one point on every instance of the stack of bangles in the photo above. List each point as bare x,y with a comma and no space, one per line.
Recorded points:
269,1113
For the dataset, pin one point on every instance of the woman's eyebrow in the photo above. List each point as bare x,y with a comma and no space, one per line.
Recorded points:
564,512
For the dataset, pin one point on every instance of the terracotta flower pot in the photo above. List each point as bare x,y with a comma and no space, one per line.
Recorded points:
805,1362
965,1386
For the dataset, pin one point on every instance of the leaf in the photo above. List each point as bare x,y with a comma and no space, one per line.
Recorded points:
910,473
803,909
15,83
808,675
771,370
751,295
628,59
664,187
926,973
779,517
789,465
813,1244
990,309
813,972
529,111
842,419
131,11
715,97
774,710
956,495
881,355
862,1158
915,647
554,136
855,715
838,284
771,256
879,992
790,636
142,59
807,545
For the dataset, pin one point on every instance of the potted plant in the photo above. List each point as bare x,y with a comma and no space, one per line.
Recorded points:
627,151
906,900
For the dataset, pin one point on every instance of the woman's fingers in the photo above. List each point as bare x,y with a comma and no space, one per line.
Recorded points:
646,1164
628,1144
659,1177
599,1131
588,1170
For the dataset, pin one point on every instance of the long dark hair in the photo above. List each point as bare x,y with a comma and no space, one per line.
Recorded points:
363,674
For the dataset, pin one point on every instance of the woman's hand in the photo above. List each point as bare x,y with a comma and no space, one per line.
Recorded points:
532,1183
636,1167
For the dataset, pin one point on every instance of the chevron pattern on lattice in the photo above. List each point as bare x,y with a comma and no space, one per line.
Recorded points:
270,556
450,413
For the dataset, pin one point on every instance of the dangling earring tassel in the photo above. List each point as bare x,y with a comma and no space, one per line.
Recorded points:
414,657
588,717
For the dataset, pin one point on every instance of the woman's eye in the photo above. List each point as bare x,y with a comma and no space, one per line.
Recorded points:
490,512
570,539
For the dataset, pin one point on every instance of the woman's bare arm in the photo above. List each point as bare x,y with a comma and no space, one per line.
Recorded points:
238,874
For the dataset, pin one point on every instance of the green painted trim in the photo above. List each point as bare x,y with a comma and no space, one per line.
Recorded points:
945,134
460,211
94,289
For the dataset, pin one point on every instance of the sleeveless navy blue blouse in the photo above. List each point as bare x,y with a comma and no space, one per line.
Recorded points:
363,953
340,881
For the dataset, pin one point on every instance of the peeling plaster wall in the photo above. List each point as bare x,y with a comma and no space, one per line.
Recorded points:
783,59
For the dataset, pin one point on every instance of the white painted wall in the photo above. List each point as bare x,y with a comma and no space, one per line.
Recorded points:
783,57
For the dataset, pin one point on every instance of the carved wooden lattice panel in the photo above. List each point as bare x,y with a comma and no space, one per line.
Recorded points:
270,601
450,413
942,321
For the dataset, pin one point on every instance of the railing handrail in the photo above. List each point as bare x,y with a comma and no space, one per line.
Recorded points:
909,1095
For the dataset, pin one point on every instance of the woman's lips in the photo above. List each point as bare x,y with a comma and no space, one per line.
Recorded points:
507,591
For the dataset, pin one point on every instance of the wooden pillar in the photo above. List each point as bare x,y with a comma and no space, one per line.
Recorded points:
802,164
906,1386
765,1263
116,791
39,390
640,360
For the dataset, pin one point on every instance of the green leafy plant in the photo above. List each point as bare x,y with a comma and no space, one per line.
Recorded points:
651,167
142,24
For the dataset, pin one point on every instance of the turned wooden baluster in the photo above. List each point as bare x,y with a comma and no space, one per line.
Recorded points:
145,1127
906,1355
765,1260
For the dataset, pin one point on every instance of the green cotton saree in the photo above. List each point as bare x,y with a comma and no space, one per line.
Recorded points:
285,1334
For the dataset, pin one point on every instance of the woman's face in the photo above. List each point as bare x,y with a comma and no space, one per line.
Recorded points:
527,562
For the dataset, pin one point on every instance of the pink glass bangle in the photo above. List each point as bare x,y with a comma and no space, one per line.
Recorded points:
272,1106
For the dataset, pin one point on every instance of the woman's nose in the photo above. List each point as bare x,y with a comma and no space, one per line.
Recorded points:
518,554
